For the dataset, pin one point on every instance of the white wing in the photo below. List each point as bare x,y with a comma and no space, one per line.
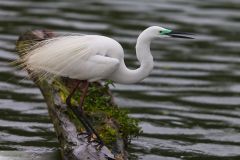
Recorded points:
95,68
71,56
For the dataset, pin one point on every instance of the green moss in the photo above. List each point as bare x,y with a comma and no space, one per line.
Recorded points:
108,120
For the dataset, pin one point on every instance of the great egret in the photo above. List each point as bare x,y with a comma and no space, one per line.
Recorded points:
90,58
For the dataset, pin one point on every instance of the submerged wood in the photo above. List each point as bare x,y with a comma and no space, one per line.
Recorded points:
73,146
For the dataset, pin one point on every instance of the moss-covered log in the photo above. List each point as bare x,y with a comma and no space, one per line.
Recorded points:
113,125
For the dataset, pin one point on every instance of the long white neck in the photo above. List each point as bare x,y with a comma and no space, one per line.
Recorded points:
125,75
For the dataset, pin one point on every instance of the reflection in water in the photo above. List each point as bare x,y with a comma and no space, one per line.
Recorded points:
188,107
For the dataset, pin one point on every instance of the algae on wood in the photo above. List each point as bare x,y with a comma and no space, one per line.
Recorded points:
113,125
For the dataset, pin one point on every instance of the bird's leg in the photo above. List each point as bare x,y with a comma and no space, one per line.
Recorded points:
85,86
92,132
88,127
82,120
68,99
84,93
78,111
74,108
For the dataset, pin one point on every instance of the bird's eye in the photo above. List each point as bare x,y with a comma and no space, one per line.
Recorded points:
161,32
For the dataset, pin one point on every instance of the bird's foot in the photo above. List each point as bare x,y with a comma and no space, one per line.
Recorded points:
82,134
87,135
98,144
92,138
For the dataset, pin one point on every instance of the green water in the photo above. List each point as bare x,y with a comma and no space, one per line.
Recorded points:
188,107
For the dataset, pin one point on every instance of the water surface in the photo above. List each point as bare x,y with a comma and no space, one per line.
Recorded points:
188,107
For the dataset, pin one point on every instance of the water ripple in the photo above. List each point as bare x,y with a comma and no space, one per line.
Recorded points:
188,107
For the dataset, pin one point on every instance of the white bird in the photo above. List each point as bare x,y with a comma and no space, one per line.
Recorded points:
91,58
94,57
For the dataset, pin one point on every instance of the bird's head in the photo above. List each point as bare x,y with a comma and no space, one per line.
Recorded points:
156,31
